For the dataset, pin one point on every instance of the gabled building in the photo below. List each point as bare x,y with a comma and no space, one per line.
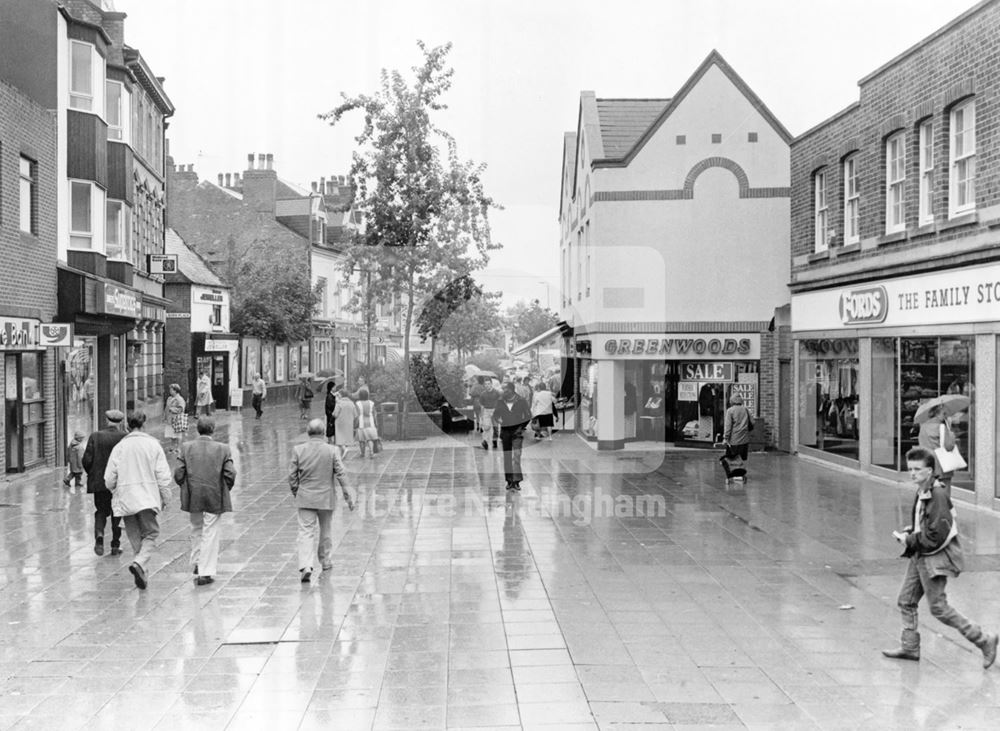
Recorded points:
895,262
674,218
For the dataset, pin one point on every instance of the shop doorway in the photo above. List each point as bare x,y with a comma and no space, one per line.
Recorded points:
216,366
24,409
80,386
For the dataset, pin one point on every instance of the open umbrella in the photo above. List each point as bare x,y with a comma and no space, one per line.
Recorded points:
952,403
488,374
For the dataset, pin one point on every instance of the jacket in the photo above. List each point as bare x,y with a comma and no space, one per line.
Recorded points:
95,456
542,403
518,414
330,405
73,456
205,474
489,398
315,467
738,425
934,536
344,417
137,475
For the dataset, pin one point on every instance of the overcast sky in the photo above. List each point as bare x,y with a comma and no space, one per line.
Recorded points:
251,76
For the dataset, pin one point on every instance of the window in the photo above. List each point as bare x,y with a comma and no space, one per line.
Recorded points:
895,182
852,201
587,285
115,116
323,291
579,265
716,138
29,195
217,315
820,207
81,75
681,139
926,152
962,180
81,226
116,230
751,136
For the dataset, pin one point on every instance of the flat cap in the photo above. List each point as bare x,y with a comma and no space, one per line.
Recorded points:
114,415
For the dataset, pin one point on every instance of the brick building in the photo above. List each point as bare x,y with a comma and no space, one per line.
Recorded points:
111,111
674,229
895,264
28,252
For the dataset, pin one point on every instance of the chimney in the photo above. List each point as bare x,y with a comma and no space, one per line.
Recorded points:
260,161
191,167
236,180
331,187
228,181
314,186
322,184
270,161
260,185
220,180
250,161
341,180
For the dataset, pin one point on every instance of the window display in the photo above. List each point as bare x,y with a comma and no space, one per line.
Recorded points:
828,395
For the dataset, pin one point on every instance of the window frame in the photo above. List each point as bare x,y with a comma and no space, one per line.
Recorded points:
31,180
76,95
895,186
967,157
124,112
821,211
123,226
925,158
75,234
852,200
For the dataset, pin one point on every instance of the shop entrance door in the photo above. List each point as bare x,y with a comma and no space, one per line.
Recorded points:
12,412
220,380
80,387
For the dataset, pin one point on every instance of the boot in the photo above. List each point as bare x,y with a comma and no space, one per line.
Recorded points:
909,647
902,654
989,648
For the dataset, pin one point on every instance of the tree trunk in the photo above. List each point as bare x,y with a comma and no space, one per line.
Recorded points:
407,324
433,347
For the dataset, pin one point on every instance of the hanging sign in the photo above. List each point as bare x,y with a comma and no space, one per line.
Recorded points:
55,335
710,370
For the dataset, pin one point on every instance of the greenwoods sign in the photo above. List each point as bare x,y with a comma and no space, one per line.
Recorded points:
698,346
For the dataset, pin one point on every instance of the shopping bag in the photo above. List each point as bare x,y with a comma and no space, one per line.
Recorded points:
950,460
376,446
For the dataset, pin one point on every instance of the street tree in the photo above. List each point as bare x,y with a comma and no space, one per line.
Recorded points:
528,321
442,306
473,324
425,212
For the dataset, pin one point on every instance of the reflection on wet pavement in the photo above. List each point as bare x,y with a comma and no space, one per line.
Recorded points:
629,590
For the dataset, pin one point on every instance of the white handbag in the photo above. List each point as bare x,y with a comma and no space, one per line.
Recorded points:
950,460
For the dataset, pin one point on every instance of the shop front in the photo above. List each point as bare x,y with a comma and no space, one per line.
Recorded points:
216,355
27,370
869,356
668,387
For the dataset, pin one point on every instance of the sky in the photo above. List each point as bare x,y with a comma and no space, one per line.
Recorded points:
251,76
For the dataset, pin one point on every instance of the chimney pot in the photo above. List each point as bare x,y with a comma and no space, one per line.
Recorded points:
250,161
191,167
270,161
260,160
331,187
220,180
236,180
322,184
314,186
341,180
228,183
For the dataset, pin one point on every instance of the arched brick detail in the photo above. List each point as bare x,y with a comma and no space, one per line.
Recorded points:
716,162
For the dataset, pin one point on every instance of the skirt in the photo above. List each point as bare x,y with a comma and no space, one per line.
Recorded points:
545,421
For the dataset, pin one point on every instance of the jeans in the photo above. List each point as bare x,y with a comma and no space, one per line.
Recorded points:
512,437
205,542
918,583
255,401
486,421
309,518
102,511
142,530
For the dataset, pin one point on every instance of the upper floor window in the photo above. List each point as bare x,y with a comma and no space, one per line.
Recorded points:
81,75
116,110
962,176
820,209
895,184
29,195
926,152
116,230
322,305
587,273
81,221
852,201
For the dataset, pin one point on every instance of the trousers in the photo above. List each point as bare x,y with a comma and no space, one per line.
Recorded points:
486,421
142,530
511,438
205,542
102,511
918,583
309,520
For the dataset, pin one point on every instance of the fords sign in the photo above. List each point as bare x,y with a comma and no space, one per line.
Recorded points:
865,306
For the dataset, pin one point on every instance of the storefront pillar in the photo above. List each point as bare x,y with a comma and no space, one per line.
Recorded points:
864,399
610,415
983,415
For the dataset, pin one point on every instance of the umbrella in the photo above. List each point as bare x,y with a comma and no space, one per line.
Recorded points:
952,403
306,374
488,374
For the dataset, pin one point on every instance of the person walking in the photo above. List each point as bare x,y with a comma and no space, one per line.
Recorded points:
930,437
513,415
329,407
95,461
74,464
259,393
477,408
543,411
932,545
738,427
206,475
488,400
203,395
367,429
522,387
304,395
177,418
316,466
345,421
138,477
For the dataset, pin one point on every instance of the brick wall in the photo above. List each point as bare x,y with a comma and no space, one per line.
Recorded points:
925,83
177,338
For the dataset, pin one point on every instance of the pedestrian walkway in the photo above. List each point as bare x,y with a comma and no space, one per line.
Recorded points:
618,590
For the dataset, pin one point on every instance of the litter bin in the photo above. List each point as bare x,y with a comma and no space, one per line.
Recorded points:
389,412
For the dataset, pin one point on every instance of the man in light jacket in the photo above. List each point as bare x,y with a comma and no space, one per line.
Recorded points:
206,474
138,477
316,466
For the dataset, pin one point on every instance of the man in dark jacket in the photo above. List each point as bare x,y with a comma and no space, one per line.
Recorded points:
205,474
513,415
932,545
95,460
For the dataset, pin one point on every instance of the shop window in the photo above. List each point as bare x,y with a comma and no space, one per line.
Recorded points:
962,177
828,403
885,422
852,201
926,153
932,367
895,184
820,211
586,422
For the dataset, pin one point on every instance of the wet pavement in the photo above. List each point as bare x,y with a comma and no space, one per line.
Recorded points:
630,590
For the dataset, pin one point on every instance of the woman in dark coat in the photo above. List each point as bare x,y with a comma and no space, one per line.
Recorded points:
329,406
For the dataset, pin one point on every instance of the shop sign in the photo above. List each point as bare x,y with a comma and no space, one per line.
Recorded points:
211,297
121,302
162,263
680,347
178,315
710,370
221,346
955,296
687,391
749,393
18,333
55,335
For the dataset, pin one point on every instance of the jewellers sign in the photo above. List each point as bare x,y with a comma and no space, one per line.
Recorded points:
949,297
120,301
679,346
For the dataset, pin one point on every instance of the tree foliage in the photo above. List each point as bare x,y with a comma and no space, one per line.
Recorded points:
528,321
473,324
272,300
443,303
425,211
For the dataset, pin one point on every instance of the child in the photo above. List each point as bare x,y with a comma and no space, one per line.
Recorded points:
74,458
932,545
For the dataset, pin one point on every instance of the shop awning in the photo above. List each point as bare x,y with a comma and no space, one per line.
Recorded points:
538,340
